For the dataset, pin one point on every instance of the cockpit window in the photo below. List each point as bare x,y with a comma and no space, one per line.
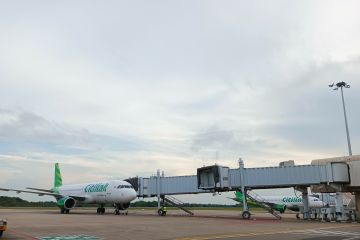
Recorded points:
124,186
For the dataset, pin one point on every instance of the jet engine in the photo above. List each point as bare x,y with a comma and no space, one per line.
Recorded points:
294,208
66,203
280,207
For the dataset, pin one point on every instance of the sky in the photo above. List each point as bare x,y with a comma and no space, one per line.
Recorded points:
118,89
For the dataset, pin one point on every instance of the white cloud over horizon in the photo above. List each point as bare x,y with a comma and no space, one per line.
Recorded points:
175,85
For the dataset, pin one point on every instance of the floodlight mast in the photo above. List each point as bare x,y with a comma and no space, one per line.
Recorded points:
342,85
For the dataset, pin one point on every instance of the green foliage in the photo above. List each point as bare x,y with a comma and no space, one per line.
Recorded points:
18,202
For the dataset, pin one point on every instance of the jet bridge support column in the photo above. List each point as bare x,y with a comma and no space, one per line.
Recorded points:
357,205
158,188
305,200
246,213
339,206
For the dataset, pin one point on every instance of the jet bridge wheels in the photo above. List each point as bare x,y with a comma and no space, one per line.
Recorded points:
161,212
246,215
100,210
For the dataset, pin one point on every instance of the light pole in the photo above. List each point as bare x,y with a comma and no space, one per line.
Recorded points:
336,87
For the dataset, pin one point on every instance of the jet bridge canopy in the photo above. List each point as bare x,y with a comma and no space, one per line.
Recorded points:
213,177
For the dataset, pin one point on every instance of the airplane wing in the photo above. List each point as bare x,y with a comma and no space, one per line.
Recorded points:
270,204
79,198
39,189
234,199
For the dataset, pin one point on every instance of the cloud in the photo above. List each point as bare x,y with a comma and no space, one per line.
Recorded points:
26,131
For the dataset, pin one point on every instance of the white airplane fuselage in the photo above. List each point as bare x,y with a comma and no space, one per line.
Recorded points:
114,191
292,201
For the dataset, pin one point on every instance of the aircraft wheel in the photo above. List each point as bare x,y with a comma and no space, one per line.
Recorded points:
102,210
160,212
67,211
246,215
298,216
98,210
117,212
62,211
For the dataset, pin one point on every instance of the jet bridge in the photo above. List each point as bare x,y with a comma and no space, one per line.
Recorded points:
333,176
217,178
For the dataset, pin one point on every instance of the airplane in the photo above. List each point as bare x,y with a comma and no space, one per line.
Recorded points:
281,203
117,192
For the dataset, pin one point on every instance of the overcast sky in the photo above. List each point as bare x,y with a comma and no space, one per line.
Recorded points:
115,89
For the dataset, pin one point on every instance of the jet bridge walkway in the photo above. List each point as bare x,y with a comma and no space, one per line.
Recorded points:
222,179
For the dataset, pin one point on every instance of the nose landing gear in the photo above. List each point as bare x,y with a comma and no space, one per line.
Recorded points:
120,210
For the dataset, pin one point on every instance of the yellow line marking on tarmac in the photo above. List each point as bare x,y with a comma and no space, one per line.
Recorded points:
27,236
257,233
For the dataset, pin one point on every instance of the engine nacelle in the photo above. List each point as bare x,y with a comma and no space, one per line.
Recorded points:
66,203
294,208
280,207
122,206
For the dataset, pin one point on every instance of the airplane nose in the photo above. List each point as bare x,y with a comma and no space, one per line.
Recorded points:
133,194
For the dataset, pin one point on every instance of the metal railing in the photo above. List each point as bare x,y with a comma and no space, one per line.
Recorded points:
177,203
262,203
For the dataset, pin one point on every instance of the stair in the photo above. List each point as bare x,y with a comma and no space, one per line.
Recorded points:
177,203
262,203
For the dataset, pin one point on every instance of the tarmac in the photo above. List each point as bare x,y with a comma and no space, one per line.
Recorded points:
146,224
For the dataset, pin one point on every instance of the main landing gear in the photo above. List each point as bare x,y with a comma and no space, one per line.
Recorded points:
63,210
100,210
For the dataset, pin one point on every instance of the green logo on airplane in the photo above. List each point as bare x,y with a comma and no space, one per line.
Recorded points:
291,199
100,187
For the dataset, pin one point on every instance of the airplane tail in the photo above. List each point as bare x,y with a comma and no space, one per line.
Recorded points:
239,195
57,178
